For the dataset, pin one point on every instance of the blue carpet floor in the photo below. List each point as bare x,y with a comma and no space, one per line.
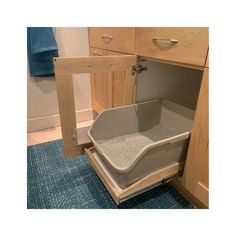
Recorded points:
56,183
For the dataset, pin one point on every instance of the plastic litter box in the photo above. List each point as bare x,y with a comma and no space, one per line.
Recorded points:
135,140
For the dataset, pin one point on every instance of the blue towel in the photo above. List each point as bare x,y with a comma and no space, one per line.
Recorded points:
42,47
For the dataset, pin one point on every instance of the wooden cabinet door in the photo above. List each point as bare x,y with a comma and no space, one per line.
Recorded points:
64,70
196,175
99,85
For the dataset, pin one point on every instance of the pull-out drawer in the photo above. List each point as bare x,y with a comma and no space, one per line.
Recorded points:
135,140
181,45
148,182
139,145
112,38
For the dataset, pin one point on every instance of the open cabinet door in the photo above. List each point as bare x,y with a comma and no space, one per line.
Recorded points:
65,68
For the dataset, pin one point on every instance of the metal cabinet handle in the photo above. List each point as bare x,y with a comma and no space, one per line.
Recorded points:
95,53
169,41
107,37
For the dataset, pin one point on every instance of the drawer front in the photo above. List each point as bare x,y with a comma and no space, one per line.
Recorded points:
116,39
181,45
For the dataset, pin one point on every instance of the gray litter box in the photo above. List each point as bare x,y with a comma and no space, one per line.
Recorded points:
135,140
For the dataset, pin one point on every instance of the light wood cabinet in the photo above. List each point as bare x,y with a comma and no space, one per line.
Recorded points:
195,178
182,45
120,39
113,84
189,46
108,89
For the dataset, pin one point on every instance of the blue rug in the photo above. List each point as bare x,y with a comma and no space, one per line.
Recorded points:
53,182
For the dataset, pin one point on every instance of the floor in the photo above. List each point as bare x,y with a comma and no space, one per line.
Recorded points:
42,136
54,182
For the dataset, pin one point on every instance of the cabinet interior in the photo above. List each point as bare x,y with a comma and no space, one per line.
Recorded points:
178,84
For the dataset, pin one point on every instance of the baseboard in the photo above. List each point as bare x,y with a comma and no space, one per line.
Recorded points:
46,122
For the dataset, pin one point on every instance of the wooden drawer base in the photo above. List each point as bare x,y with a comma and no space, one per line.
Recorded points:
148,182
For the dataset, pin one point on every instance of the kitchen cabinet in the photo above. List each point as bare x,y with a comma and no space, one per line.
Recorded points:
184,46
114,84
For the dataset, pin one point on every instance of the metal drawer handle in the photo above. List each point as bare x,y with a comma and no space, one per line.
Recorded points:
95,53
169,41
107,37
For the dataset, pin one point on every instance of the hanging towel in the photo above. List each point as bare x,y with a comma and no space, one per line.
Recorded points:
42,47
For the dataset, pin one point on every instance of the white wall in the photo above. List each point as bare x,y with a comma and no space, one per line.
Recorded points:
42,106
178,84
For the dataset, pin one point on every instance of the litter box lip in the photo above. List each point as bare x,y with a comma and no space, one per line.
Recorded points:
138,157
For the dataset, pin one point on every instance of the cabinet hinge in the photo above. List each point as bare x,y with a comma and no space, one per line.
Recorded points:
138,68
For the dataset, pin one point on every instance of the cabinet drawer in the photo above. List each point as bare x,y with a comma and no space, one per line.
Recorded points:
182,45
116,39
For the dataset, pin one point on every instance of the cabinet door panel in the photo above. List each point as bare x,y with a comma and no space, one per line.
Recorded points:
99,85
196,168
